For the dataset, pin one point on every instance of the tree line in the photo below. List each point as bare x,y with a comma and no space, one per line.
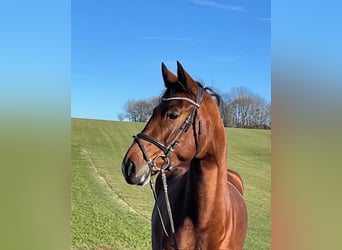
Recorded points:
240,108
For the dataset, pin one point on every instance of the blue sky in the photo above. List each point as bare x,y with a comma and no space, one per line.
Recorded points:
117,48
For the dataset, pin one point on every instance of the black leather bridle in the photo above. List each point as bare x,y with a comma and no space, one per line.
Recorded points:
167,150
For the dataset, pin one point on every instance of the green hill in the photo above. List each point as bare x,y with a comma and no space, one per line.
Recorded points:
107,213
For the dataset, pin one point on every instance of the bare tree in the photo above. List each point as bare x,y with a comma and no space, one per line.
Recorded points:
140,110
240,107
245,109
241,101
227,111
130,111
121,116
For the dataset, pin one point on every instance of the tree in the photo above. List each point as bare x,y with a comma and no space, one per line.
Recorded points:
240,108
121,116
245,109
227,109
140,110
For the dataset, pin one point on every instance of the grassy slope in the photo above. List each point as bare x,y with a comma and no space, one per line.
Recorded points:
108,212
249,152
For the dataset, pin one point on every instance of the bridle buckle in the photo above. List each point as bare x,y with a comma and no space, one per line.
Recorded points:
165,166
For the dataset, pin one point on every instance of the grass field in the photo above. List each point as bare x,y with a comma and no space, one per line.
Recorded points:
107,213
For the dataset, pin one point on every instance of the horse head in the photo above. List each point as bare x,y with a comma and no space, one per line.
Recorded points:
175,132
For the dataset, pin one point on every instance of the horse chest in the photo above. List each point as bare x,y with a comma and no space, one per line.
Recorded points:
189,237
187,234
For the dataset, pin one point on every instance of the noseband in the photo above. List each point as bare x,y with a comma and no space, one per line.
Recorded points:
167,150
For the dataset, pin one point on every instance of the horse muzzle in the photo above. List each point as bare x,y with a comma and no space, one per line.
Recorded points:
136,175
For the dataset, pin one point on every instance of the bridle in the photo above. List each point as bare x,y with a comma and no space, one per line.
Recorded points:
167,150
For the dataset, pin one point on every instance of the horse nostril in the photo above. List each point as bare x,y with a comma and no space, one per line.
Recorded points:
130,168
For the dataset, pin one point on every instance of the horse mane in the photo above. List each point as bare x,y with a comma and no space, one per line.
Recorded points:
214,94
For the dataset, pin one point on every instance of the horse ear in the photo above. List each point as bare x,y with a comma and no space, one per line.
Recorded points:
183,76
168,77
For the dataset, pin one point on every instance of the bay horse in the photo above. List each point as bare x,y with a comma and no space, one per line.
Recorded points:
198,202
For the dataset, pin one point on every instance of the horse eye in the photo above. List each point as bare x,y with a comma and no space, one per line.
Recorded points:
172,116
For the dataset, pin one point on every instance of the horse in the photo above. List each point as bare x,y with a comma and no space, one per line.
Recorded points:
198,201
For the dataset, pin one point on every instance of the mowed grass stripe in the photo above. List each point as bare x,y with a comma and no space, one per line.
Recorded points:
100,209
97,218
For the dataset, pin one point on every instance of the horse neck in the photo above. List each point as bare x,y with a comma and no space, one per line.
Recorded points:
209,179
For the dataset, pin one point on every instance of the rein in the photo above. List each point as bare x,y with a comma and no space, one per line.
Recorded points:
167,150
